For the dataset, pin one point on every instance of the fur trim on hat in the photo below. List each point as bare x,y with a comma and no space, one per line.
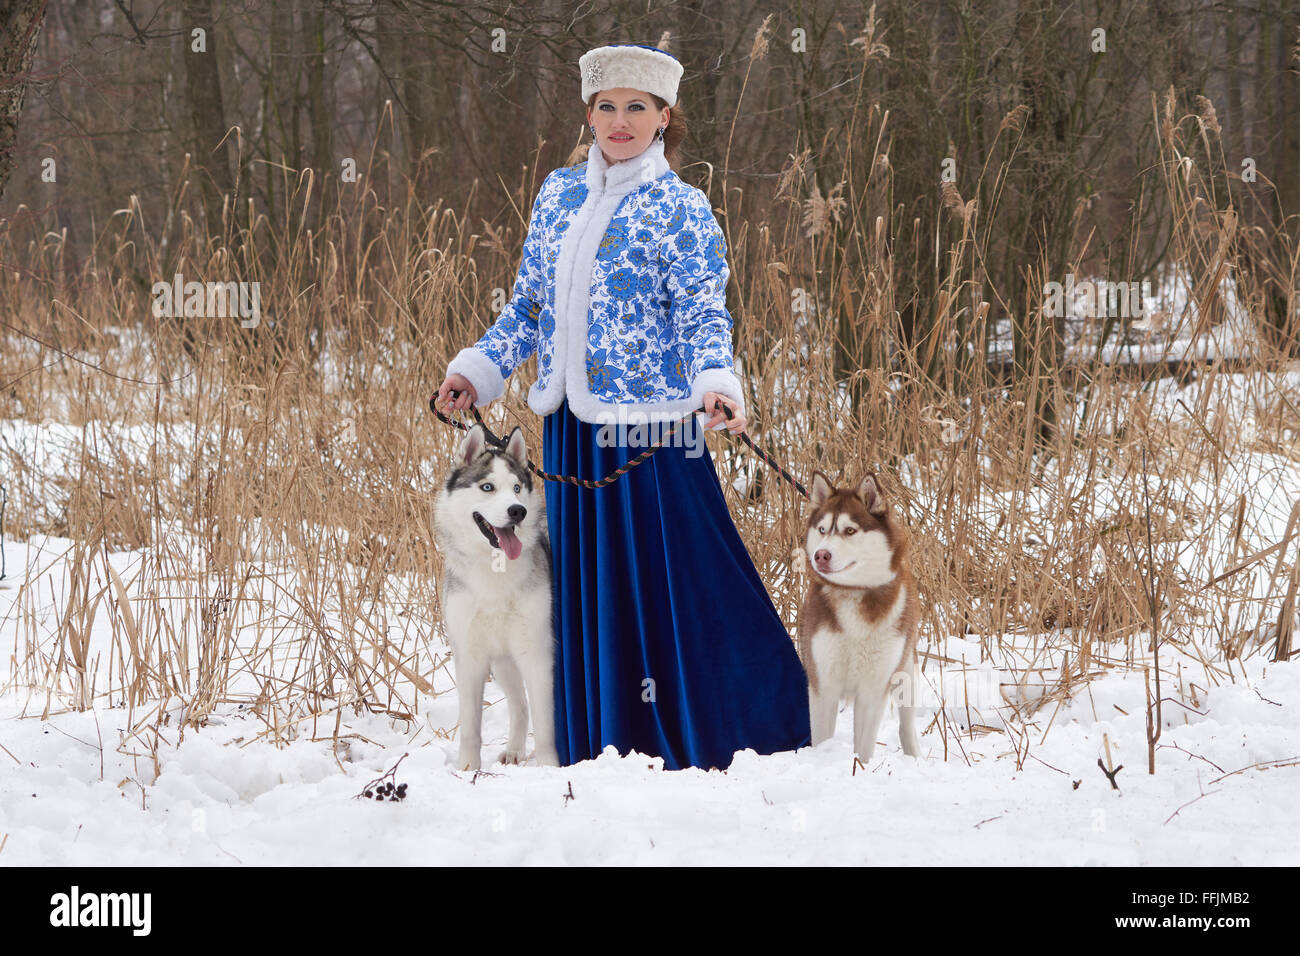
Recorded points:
633,66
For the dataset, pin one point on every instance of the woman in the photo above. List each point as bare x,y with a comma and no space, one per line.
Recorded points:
667,641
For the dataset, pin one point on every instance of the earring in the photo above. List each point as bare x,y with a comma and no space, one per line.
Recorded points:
661,133
593,132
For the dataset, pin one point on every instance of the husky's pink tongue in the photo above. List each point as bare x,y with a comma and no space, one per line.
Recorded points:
509,542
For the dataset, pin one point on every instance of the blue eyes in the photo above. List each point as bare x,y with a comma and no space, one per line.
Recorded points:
486,486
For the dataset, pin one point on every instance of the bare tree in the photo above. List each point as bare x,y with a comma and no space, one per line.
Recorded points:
203,85
20,23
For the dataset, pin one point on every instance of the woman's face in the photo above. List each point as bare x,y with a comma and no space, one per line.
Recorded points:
626,121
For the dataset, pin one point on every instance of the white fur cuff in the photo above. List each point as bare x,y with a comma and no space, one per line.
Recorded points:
482,372
720,380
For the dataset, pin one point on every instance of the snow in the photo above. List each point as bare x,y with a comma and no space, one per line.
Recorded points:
1168,327
221,799
1009,773
84,788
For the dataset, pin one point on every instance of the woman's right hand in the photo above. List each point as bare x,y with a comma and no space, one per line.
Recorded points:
456,383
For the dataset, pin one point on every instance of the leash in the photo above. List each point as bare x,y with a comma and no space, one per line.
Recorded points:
623,469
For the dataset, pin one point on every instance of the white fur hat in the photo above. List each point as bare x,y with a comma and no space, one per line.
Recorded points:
633,66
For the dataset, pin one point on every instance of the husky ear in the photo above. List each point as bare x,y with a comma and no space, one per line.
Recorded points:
472,446
515,446
869,492
820,491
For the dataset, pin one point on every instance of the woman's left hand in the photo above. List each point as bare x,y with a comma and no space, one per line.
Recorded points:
736,425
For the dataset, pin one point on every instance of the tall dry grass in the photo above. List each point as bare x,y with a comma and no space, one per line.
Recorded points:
276,482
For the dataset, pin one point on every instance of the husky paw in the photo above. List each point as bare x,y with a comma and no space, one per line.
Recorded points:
511,756
469,763
547,758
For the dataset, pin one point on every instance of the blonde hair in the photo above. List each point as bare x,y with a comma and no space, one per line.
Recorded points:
674,134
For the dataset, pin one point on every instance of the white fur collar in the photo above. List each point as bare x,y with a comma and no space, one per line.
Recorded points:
622,177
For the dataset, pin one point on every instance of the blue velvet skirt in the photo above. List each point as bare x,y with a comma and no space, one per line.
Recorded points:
667,641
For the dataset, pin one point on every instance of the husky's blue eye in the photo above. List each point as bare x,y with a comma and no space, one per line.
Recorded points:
486,486
517,487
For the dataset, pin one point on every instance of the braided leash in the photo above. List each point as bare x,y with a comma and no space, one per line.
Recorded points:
769,460
623,469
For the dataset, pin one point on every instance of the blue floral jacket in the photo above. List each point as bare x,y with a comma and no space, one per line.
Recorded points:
621,292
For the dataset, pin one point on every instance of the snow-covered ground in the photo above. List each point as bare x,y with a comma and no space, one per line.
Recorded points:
71,795
1153,321
994,787
1010,772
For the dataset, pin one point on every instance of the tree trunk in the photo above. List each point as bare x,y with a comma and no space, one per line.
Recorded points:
203,84
421,116
20,23
321,114
1287,151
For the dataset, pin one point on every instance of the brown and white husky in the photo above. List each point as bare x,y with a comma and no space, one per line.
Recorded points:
858,623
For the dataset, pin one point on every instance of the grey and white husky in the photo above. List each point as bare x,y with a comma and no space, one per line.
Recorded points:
858,622
490,526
